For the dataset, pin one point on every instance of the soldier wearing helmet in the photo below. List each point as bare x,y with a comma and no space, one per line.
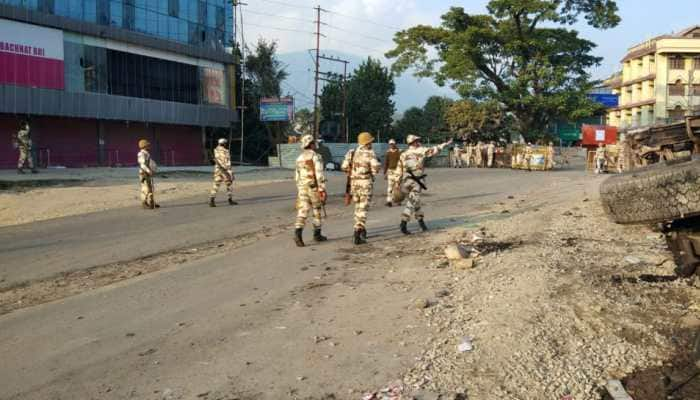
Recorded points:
411,168
391,160
362,166
222,173
147,169
311,188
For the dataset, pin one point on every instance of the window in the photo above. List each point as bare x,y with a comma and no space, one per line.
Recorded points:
677,113
174,8
116,12
695,90
676,89
677,62
696,63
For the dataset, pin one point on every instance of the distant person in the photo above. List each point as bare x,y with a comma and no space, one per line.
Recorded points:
549,163
528,156
147,169
24,143
391,160
325,153
311,190
223,173
478,155
600,158
490,152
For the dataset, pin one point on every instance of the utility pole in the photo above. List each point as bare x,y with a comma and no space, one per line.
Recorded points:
318,45
242,65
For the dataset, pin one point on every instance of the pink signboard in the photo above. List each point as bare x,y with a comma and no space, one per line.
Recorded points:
31,55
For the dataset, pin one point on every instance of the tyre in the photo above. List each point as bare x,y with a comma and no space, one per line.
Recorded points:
657,193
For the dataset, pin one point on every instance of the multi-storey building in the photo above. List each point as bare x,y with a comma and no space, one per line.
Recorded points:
94,76
659,81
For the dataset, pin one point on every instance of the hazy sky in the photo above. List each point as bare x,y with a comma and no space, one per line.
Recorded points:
641,19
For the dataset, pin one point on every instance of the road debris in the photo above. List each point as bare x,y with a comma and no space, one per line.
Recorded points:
616,390
466,345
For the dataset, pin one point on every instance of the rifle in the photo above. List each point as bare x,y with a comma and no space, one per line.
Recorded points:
348,181
418,179
310,163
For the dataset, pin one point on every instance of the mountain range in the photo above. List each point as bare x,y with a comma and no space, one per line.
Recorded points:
410,91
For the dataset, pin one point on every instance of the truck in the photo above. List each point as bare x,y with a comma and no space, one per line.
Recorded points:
661,187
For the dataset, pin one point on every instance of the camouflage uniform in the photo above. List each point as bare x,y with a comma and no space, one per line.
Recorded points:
550,157
308,198
222,173
600,159
490,152
413,161
363,169
457,157
468,154
478,157
146,170
24,144
391,160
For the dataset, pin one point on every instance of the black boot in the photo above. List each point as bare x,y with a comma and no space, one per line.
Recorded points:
20,171
34,171
357,237
317,235
404,228
422,225
212,203
363,234
297,237
389,204
231,202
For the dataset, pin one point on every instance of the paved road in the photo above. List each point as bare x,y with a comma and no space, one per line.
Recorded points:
231,323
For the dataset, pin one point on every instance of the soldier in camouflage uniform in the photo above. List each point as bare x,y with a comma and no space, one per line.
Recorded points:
490,153
222,173
478,155
24,144
311,187
363,166
147,168
411,167
391,160
549,163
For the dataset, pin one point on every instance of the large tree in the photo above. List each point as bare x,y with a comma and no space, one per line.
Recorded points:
370,107
520,55
264,76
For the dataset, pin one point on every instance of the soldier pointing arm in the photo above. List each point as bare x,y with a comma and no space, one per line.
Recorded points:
411,168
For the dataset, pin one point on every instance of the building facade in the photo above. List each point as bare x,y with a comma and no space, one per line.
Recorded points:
659,82
94,76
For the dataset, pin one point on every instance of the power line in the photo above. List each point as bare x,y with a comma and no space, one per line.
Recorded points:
356,45
280,29
367,21
282,3
281,16
356,33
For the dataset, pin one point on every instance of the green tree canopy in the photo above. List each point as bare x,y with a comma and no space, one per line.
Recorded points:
264,76
370,107
520,55
331,99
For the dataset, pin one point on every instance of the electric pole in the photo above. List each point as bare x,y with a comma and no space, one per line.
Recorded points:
318,45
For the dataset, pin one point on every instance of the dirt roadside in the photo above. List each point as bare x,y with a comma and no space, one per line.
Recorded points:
559,300
34,201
